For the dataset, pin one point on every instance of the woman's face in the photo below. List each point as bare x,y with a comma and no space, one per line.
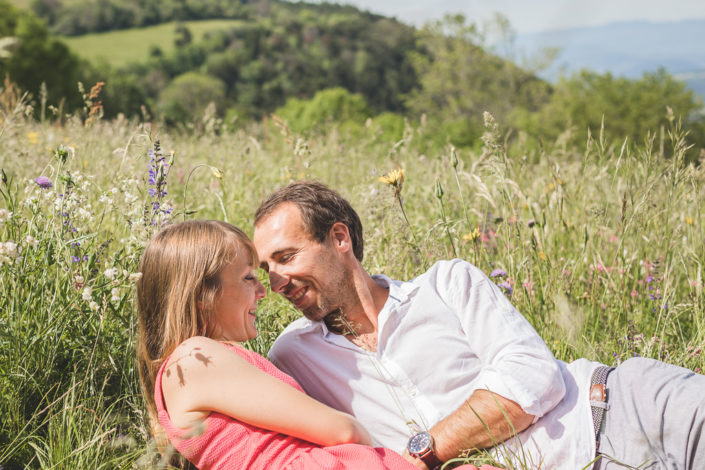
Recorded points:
235,306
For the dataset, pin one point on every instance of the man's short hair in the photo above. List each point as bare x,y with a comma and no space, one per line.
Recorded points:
320,208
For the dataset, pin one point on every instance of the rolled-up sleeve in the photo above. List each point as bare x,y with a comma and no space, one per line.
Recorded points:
517,364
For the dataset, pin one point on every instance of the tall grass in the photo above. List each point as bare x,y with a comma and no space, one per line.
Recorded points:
600,247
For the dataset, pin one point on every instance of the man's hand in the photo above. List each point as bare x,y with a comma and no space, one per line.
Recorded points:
418,462
463,430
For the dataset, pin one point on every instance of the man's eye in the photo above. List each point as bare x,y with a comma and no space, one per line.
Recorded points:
285,258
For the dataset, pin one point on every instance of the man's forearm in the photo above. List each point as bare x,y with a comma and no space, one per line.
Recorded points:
481,422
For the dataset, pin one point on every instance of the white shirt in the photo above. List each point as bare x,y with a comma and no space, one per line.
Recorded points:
441,336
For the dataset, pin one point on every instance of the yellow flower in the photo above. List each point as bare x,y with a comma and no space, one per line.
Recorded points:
33,137
472,236
688,220
393,178
542,255
217,173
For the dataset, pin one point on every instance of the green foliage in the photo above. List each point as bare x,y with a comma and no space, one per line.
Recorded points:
327,106
188,95
630,109
39,58
459,80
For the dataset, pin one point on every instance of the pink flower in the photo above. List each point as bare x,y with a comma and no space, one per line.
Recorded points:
634,293
43,182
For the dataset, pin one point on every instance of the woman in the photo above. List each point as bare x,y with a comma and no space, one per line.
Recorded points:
221,405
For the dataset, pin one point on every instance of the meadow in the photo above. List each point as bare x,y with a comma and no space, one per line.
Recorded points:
599,246
124,47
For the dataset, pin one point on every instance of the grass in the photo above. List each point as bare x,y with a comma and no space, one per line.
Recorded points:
122,47
602,247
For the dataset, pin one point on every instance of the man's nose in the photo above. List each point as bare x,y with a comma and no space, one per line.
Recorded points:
277,281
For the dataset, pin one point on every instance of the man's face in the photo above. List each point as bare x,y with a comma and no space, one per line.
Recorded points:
309,274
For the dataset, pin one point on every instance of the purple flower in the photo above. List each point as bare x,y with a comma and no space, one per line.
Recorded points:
531,223
507,288
498,272
43,182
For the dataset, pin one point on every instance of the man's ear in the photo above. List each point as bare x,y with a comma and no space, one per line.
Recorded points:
340,235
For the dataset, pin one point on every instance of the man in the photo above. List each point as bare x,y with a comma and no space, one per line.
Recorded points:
444,363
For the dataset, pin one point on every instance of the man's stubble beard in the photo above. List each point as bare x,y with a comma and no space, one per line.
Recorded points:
338,294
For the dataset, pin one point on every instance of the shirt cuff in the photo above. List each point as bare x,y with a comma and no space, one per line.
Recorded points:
533,402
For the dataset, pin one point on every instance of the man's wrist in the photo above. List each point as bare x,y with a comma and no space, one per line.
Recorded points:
421,446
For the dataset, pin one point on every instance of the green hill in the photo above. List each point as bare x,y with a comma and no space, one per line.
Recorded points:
125,46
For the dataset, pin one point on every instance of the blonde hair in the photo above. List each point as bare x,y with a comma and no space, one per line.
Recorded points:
180,282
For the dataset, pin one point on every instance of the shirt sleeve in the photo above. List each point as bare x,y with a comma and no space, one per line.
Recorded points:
517,364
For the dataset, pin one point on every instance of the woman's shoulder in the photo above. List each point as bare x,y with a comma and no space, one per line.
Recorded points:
201,351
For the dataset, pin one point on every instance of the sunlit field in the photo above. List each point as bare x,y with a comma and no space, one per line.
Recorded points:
600,247
119,48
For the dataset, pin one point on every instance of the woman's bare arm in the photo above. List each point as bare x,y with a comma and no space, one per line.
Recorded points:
203,376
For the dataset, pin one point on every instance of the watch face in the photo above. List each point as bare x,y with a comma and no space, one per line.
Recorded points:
419,443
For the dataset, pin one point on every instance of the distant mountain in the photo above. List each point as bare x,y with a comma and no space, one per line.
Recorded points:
626,49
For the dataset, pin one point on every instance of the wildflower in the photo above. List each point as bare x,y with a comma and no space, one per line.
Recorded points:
498,273
217,173
394,178
634,293
43,182
134,277
111,273
61,154
688,220
5,215
472,236
507,287
542,255
528,285
94,306
87,293
115,294
531,223
8,252
31,241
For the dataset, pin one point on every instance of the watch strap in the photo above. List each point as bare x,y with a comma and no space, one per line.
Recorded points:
430,459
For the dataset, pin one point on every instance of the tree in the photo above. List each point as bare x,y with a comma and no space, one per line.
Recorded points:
38,57
188,95
630,108
459,80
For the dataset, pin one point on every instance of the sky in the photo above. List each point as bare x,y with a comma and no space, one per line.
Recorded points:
528,16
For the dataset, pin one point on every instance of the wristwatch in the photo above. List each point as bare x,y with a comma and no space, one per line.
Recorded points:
421,446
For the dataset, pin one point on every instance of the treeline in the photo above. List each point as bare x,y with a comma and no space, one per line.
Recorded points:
283,57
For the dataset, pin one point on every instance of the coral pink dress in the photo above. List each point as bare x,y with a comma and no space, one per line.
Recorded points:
227,443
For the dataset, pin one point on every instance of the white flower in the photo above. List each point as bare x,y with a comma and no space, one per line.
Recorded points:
114,190
93,306
83,213
87,293
78,279
9,249
111,273
31,241
5,215
115,294
134,277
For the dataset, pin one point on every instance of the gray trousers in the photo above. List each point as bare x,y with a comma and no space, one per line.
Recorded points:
656,418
